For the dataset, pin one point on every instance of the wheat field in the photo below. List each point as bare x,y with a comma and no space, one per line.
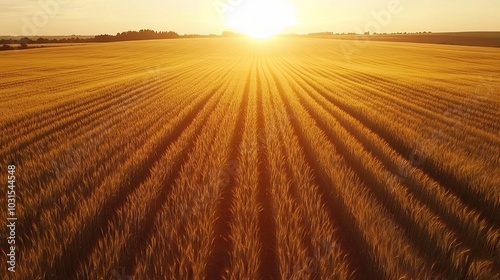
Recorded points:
226,158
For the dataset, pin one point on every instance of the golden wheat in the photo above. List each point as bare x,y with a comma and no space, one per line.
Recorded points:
228,158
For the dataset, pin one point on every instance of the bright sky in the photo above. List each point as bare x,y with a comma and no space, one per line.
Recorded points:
91,17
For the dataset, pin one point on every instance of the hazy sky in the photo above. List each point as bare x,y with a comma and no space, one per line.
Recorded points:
90,17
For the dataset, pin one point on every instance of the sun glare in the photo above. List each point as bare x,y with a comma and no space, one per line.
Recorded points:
262,19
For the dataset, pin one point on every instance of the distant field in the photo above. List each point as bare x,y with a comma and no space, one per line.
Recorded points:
484,39
284,159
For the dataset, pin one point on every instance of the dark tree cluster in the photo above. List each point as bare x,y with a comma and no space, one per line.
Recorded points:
143,34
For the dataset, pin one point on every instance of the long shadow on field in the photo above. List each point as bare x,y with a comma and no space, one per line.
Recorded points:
269,258
350,237
478,244
219,259
81,246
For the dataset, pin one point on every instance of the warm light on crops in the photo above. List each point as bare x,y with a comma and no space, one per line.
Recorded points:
218,159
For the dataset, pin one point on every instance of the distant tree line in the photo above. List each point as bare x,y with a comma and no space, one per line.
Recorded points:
366,33
398,33
143,34
146,34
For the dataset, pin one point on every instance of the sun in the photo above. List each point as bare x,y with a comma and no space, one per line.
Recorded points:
262,18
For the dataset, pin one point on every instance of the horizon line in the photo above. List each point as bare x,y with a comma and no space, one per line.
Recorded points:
237,33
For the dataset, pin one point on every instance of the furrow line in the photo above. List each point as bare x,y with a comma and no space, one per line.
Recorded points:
219,260
411,221
131,225
327,258
135,172
267,225
484,241
245,210
46,172
186,199
71,108
350,237
61,121
354,87
467,194
367,212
